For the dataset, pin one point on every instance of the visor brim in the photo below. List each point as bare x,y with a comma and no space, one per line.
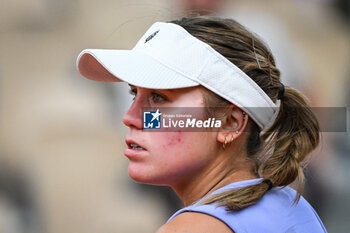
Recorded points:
130,66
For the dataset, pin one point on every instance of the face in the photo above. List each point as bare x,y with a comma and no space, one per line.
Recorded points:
167,158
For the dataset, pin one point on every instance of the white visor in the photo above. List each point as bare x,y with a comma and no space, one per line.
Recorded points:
168,57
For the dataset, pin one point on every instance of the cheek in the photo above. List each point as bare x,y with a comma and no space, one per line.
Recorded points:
173,140
179,151
180,147
170,151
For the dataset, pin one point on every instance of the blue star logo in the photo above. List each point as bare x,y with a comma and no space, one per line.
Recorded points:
151,119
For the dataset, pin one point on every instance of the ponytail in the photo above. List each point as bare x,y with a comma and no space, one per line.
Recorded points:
297,135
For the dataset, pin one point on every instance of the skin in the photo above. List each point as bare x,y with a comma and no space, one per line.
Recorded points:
170,158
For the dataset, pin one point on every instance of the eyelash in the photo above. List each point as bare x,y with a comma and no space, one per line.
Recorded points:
133,92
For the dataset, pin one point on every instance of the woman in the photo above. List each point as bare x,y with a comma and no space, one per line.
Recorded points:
234,179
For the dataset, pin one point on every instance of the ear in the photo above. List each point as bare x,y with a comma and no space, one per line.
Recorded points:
233,125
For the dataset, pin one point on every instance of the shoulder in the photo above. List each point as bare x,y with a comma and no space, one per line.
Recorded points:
194,222
275,212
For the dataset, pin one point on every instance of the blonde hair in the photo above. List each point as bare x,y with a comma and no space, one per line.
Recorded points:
278,154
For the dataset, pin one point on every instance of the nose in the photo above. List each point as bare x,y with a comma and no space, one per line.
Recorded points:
133,117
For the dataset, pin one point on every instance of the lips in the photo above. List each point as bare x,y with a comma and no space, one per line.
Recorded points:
133,145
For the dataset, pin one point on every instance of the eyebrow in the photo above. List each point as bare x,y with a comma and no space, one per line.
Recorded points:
169,90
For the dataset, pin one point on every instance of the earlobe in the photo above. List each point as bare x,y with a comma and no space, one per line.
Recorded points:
235,124
224,145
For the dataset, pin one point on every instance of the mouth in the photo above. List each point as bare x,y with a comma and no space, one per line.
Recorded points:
136,147
133,145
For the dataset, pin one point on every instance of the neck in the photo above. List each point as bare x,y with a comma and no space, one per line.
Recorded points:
212,178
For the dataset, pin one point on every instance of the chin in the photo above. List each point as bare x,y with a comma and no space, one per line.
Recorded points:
138,174
141,176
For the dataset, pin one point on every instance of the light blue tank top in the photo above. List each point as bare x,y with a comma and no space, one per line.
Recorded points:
274,213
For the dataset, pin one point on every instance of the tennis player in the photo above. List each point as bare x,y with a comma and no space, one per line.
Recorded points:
233,180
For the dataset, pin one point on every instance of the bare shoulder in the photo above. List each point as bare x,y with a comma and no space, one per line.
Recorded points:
194,222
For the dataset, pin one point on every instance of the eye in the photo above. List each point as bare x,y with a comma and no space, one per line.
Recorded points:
133,92
157,98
